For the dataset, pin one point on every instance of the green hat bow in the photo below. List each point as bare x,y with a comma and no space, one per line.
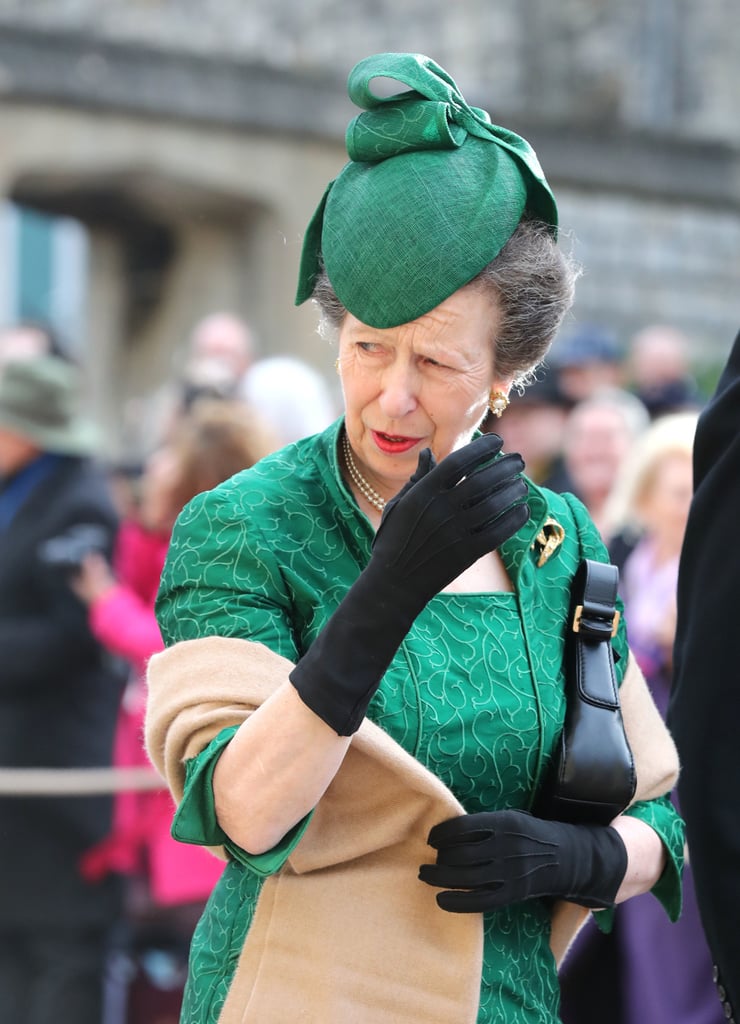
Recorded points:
431,114
432,192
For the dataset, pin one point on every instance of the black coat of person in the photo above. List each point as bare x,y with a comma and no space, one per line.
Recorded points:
59,695
704,713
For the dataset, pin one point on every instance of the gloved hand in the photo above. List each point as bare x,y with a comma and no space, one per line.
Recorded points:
496,858
443,520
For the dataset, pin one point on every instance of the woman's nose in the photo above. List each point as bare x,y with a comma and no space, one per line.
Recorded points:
398,394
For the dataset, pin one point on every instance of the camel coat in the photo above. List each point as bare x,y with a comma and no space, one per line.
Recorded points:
351,882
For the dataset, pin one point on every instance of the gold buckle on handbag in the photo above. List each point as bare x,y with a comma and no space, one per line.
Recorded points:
577,620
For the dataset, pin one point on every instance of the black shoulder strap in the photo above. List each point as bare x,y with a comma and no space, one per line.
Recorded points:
593,621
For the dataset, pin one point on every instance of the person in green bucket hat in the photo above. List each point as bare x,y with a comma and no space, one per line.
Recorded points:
60,695
363,682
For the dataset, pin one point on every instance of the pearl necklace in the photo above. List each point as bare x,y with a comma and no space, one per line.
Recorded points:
359,480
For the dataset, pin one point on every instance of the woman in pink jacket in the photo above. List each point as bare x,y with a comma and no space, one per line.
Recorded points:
214,440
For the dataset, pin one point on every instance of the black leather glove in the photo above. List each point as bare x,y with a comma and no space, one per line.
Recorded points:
496,858
443,520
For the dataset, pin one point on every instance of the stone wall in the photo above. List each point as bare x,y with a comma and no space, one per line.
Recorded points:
664,64
204,131
653,261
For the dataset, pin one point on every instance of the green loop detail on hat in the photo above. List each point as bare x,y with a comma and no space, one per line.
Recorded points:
413,125
431,194
431,114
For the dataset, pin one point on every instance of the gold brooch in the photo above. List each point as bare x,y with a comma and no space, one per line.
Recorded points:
549,538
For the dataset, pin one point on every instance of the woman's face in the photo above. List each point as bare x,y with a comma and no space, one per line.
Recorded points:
664,507
15,452
424,384
597,442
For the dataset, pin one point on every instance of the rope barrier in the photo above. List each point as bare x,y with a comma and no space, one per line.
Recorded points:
77,781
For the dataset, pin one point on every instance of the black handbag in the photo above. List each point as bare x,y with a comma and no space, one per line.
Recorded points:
592,776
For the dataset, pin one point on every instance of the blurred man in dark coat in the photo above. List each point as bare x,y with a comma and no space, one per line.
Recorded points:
59,697
704,714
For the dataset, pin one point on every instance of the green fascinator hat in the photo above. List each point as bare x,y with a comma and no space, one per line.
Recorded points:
431,194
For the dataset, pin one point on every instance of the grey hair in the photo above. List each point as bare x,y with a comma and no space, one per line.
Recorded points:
532,280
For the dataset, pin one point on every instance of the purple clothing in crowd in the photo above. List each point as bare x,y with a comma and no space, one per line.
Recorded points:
666,968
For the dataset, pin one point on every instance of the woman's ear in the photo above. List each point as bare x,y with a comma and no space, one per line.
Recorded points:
504,385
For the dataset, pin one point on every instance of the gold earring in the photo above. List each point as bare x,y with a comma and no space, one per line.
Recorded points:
336,365
497,402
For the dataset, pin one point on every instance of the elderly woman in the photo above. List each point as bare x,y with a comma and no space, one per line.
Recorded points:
365,630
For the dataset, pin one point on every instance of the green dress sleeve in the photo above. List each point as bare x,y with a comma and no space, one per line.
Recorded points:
195,818
221,577
663,818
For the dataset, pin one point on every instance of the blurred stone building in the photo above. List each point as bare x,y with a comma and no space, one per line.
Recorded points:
183,144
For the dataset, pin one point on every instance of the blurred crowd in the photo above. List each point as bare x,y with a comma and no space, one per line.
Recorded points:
97,922
82,545
615,426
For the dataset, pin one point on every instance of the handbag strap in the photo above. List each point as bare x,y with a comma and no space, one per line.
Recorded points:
593,620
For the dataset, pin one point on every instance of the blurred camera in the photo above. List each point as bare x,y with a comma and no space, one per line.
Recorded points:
68,550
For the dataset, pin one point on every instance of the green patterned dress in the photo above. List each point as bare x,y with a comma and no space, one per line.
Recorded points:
475,692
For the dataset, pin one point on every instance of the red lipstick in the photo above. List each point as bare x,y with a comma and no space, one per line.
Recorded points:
393,444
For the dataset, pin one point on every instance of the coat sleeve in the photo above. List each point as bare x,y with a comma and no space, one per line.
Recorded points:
704,713
52,629
125,624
